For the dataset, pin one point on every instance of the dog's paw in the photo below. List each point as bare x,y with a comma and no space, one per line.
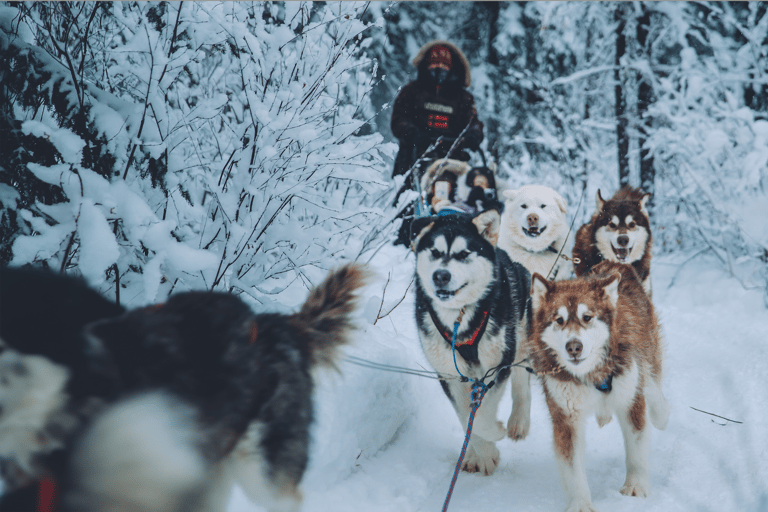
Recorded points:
485,463
518,426
493,431
603,420
581,505
634,488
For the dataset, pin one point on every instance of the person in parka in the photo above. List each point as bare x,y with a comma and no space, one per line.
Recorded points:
436,104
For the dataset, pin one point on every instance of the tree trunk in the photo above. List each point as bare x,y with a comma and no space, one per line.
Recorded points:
644,98
622,138
492,125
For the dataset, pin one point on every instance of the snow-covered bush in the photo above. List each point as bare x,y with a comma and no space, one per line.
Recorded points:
711,148
188,145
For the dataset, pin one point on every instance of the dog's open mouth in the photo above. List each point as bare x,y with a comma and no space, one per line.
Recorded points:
443,294
533,232
575,360
621,253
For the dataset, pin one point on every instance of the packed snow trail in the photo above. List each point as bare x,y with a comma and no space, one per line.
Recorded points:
386,442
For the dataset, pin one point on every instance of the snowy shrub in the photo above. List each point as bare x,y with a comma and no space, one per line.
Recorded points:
712,149
187,145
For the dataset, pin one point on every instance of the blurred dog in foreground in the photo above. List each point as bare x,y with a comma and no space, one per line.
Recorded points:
596,344
160,408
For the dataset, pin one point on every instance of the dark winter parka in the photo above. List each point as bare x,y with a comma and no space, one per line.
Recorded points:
423,110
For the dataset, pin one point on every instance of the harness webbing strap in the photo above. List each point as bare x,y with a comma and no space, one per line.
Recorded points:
479,388
447,336
478,392
606,385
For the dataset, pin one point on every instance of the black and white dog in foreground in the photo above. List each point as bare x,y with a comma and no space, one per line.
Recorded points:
160,408
458,268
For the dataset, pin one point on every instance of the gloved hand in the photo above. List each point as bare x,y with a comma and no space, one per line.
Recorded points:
472,139
440,204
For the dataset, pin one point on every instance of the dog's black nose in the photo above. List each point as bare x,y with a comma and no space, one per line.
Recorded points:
622,240
574,348
441,277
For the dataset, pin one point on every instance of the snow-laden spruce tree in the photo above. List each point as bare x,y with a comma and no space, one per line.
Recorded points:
169,146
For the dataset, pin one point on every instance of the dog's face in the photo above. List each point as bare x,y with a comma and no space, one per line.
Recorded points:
574,319
455,256
622,229
534,216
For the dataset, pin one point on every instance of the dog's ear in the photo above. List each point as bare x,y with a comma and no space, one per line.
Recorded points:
599,202
539,287
510,194
487,224
610,286
419,228
561,203
643,204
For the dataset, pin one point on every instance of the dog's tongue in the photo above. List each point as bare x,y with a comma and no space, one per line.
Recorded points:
533,231
621,253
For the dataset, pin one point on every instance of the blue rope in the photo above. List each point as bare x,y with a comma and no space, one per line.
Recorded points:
453,346
478,392
479,388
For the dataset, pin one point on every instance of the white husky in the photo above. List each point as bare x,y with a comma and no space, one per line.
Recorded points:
534,229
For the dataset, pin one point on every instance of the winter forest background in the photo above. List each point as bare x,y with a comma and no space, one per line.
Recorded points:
157,147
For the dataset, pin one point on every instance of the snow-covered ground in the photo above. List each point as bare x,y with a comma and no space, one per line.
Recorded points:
389,442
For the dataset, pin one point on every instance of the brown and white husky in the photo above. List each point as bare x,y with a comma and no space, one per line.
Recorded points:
596,344
620,231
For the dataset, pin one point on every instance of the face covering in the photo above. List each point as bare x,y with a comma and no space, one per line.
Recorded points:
439,75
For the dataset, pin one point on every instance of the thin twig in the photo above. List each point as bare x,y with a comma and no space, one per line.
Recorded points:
680,267
144,114
399,302
383,294
715,415
173,41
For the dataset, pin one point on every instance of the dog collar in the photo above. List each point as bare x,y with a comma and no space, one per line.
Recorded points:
46,495
606,385
448,335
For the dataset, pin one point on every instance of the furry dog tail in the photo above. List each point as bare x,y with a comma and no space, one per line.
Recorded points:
327,312
142,454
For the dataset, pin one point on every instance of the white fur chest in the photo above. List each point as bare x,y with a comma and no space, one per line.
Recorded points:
541,262
579,399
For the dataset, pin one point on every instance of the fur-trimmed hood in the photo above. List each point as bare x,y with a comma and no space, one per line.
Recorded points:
456,167
460,63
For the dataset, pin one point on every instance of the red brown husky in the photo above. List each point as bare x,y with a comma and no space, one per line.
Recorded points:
620,231
596,345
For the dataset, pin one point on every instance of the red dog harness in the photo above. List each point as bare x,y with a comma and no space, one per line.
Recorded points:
46,495
448,335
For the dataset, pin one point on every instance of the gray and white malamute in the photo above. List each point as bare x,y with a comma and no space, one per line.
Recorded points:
458,268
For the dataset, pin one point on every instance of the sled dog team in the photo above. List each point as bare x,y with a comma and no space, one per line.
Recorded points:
594,341
166,407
